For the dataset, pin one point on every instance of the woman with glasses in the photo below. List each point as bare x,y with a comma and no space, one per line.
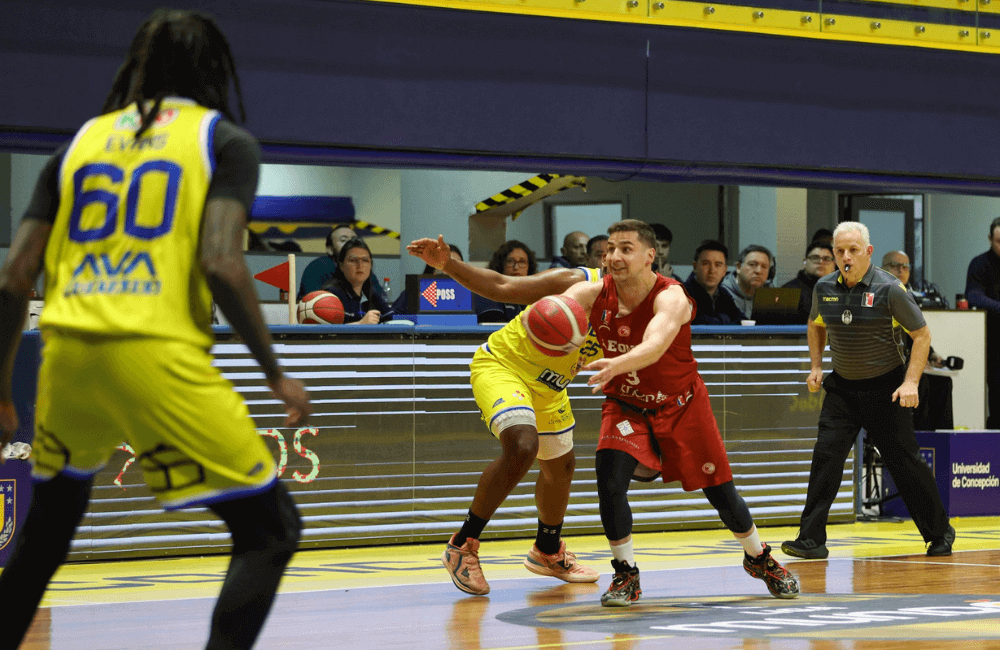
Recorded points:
817,262
513,258
352,283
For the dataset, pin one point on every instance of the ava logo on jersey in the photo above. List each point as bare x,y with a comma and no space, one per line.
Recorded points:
7,512
133,273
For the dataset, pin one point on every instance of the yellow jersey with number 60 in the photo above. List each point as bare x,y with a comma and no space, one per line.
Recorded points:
544,374
122,259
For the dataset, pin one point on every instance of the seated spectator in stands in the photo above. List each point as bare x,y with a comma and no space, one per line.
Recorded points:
817,262
574,251
352,283
823,235
512,258
400,306
597,247
753,271
934,407
663,240
320,271
715,305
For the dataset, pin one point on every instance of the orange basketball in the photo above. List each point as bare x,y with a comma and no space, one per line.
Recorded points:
320,308
557,325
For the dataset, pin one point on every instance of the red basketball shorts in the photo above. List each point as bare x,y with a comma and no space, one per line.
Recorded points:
691,448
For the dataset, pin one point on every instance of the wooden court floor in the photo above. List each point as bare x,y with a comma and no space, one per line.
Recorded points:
877,591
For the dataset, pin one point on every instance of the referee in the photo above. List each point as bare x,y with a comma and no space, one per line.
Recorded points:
861,309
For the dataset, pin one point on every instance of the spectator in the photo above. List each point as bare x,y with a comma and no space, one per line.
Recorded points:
663,240
715,305
400,306
753,270
934,410
823,235
982,289
574,252
596,249
512,258
817,262
320,271
352,283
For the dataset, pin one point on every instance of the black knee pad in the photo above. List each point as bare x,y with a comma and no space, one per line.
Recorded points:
733,510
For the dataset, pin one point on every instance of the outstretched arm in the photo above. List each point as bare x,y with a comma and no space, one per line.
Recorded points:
17,277
671,310
490,284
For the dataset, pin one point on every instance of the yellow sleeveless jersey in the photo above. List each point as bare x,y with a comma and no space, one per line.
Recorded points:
546,374
122,259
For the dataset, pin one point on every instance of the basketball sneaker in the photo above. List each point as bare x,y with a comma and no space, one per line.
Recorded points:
780,582
624,589
806,549
462,563
562,565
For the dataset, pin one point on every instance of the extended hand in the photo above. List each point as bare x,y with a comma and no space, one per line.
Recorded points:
907,395
8,425
296,398
605,372
433,251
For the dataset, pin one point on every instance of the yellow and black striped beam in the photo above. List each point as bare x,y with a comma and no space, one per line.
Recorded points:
311,230
378,231
513,200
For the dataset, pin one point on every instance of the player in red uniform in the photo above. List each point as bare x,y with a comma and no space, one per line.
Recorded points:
657,411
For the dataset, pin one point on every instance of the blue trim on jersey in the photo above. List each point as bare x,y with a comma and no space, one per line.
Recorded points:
221,495
507,410
71,472
211,141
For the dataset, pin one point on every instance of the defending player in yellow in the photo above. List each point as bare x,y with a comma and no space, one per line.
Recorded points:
521,393
139,221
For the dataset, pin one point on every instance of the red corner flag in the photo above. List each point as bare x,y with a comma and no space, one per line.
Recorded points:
276,276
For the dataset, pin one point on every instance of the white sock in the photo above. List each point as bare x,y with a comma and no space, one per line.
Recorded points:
751,543
623,553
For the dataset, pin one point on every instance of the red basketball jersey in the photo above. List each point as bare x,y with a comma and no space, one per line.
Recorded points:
653,386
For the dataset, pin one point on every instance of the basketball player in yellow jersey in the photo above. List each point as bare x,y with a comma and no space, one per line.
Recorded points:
139,221
522,396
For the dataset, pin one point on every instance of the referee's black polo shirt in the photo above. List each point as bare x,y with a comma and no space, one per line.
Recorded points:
863,322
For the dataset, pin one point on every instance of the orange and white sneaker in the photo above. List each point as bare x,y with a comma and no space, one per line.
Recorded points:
462,563
562,565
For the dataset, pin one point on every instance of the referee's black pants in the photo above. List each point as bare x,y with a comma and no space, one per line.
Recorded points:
849,406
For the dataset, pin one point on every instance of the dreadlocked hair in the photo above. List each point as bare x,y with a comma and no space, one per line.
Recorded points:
175,52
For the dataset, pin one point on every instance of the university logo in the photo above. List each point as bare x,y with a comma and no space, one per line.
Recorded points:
845,617
8,499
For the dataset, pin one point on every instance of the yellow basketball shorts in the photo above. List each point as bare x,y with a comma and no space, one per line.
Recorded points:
505,399
192,434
